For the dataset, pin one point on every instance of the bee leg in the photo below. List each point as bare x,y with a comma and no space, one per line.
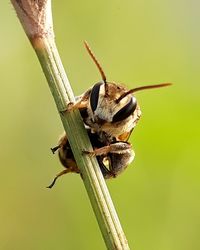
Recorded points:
98,151
61,143
72,106
117,147
65,171
80,103
54,149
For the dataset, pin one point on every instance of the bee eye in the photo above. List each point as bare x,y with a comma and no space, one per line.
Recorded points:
94,96
126,111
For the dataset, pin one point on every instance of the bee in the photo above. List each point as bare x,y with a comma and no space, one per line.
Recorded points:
109,109
113,159
110,112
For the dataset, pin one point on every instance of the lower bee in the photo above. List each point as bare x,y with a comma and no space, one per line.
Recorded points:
113,156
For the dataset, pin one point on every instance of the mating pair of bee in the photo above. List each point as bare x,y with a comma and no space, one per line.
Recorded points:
110,112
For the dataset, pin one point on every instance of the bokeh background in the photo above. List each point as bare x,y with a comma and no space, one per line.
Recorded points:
157,198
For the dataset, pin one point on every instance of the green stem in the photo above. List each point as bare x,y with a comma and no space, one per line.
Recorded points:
92,177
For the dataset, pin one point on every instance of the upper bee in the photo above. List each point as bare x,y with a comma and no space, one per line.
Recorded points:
110,107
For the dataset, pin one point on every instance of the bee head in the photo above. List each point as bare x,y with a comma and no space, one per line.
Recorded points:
106,105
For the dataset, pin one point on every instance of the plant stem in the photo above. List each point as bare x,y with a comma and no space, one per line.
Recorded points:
46,50
72,122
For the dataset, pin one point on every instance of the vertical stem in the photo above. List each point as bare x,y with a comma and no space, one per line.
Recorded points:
36,20
94,182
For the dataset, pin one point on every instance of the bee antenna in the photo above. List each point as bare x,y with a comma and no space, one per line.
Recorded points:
95,61
142,88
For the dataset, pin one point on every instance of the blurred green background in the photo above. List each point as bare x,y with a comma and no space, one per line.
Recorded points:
157,198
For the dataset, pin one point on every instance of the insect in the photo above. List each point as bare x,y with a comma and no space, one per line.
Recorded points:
111,161
109,109
110,113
